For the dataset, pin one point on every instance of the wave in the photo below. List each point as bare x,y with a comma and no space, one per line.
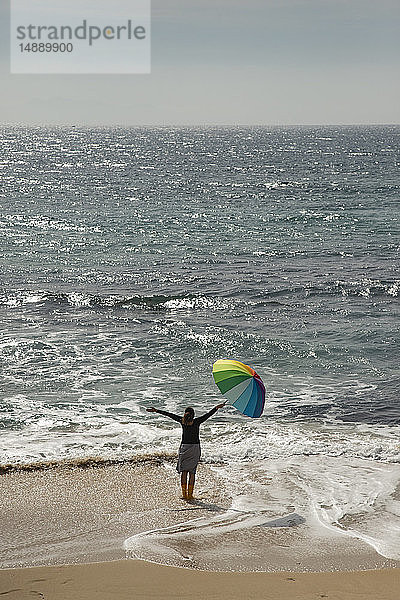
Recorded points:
79,299
230,442
88,462
363,288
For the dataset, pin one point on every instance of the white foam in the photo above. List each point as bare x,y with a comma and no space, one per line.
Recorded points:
356,498
325,496
90,424
156,543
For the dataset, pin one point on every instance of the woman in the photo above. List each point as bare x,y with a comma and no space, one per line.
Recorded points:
189,450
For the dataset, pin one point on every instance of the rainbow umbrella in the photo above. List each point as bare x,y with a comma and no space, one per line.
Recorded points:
241,386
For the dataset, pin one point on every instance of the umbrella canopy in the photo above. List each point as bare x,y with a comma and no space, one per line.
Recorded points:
241,386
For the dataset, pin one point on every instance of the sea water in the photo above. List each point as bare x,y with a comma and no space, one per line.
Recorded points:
132,259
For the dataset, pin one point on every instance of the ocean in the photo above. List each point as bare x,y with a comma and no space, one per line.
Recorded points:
133,258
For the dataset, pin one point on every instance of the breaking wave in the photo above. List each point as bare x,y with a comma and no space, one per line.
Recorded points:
89,462
366,288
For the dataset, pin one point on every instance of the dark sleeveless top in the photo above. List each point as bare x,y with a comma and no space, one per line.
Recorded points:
190,433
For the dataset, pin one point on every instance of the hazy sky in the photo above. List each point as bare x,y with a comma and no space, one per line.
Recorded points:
233,62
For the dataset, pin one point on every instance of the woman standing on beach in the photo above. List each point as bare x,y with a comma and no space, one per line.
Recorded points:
189,450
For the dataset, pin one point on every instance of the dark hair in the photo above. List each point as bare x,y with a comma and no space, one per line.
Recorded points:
188,416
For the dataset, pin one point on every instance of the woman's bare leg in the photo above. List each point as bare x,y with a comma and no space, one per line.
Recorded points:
184,484
192,478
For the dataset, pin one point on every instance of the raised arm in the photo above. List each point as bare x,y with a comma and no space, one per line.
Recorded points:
165,413
210,413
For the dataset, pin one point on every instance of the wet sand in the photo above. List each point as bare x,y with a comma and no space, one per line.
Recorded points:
71,515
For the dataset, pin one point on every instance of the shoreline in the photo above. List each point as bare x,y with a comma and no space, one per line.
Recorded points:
127,579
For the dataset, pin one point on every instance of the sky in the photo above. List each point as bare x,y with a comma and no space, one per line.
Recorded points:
232,62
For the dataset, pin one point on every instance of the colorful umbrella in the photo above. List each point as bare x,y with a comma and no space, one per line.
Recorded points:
240,385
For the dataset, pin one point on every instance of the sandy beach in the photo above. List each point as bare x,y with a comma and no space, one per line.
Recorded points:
76,521
138,580
79,513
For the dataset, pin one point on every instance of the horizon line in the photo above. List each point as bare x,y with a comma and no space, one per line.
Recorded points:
190,125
